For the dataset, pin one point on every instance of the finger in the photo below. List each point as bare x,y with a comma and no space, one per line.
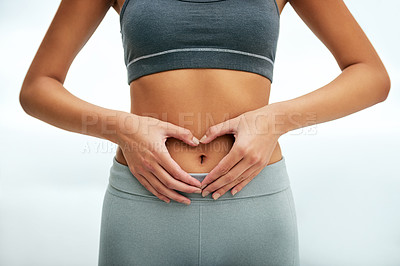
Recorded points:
223,128
241,178
161,188
181,133
225,165
238,180
171,182
235,173
242,184
229,177
173,168
150,188
246,174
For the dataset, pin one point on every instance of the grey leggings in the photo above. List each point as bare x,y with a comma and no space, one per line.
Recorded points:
257,226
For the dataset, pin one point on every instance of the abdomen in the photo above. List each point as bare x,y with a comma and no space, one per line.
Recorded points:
197,99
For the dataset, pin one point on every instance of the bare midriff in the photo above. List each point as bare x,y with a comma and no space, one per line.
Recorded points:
197,99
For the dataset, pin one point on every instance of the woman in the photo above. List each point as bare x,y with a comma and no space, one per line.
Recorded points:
199,177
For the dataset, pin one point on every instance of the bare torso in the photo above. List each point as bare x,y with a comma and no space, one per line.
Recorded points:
197,99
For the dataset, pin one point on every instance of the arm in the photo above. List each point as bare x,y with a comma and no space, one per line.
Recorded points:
363,82
43,95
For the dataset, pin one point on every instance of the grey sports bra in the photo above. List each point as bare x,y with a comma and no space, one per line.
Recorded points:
160,35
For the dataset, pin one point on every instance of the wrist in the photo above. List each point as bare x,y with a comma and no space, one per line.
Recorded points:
116,125
126,125
277,118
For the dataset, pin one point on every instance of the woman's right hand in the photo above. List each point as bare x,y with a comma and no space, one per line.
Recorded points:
142,141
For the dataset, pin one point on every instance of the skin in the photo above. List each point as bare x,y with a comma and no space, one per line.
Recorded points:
231,108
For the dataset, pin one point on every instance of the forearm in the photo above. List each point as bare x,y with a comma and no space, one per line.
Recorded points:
358,86
46,99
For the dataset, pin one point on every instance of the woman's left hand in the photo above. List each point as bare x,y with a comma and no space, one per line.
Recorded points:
256,134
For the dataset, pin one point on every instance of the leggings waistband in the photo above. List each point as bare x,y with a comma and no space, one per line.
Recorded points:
273,178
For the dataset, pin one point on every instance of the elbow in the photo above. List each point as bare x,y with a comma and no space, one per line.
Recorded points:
379,82
385,85
29,95
24,100
28,98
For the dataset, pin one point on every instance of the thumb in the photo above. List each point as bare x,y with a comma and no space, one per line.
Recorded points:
181,133
223,128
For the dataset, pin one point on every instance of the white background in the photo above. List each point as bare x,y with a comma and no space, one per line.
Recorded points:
344,173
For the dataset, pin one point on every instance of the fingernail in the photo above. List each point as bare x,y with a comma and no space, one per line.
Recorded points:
216,196
187,202
205,194
198,191
203,138
195,140
234,192
203,186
